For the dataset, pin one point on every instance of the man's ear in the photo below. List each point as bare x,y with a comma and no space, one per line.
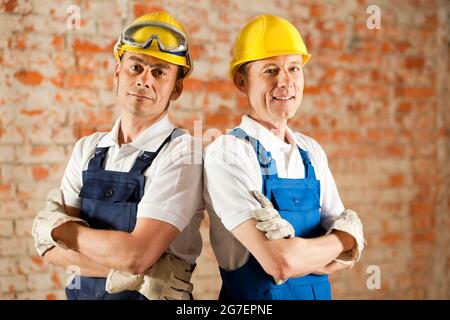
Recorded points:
239,82
177,89
116,73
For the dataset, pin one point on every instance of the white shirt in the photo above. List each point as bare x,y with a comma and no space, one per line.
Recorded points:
231,170
173,183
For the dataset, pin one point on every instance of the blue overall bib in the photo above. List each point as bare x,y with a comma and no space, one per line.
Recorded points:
109,202
297,201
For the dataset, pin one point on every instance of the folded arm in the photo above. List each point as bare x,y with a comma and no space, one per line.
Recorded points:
65,258
288,258
132,252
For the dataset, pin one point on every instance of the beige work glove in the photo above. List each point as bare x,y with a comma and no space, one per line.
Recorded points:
168,279
51,217
348,221
270,222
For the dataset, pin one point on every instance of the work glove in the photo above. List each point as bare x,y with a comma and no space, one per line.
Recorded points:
270,221
51,217
348,221
168,279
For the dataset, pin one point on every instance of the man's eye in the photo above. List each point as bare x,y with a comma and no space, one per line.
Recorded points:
158,73
135,67
295,68
271,71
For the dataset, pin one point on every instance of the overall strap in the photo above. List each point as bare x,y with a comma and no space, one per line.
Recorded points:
266,163
145,160
96,163
309,169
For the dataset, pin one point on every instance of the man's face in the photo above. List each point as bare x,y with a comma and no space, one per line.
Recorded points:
146,84
274,87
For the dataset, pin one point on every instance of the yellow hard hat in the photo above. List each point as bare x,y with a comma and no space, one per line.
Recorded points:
267,36
157,34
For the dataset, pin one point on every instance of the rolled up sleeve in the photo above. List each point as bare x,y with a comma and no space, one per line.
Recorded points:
173,193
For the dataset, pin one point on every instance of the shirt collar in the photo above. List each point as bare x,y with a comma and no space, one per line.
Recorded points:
148,140
269,140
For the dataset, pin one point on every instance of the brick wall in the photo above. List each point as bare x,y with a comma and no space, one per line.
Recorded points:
377,101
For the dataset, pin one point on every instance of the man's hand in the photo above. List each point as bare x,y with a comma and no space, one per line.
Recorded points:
48,219
270,221
333,266
348,222
168,279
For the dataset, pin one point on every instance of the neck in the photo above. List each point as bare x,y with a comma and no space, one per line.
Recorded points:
131,126
278,128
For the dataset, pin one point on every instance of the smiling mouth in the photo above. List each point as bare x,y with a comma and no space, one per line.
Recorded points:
283,98
139,96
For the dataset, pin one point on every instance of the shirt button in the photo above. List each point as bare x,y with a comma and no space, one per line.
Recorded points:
296,202
117,165
109,192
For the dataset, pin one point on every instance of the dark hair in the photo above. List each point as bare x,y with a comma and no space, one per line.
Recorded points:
243,69
180,73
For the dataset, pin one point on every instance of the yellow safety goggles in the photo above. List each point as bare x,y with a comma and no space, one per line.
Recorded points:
142,34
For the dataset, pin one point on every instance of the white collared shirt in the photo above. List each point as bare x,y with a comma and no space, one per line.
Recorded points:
231,170
173,183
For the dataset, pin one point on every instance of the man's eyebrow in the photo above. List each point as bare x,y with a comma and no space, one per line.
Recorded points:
270,64
137,59
273,64
160,65
154,65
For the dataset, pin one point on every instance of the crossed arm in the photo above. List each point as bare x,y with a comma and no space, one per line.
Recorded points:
98,251
288,258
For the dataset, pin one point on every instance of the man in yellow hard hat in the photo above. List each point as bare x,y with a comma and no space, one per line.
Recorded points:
132,195
278,225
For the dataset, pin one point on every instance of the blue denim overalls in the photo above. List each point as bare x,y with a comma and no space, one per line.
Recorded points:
109,202
297,201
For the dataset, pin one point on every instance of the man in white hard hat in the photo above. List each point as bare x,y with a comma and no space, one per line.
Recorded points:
278,226
130,203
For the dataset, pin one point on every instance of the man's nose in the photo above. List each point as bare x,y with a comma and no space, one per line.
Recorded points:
145,80
284,79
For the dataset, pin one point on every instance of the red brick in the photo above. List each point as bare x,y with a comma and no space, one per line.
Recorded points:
80,80
415,62
223,87
422,208
58,43
32,112
51,296
404,107
415,92
86,46
6,191
193,85
40,173
392,239
10,5
396,180
30,78
317,10
36,151
141,9
56,281
428,237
